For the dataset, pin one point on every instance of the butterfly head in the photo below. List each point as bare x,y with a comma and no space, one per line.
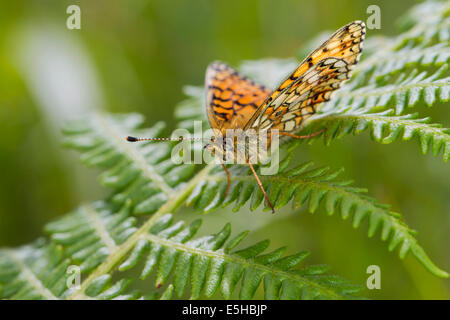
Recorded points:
215,145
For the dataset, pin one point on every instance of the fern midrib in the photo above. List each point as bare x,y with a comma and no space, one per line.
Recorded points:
104,235
238,260
30,276
175,200
126,148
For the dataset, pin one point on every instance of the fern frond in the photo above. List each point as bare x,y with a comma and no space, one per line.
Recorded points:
90,233
426,21
32,272
352,112
168,249
143,173
314,187
386,128
425,43
406,91
39,271
207,193
395,61
105,237
192,108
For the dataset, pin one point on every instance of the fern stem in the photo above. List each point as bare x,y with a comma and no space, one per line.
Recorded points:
174,202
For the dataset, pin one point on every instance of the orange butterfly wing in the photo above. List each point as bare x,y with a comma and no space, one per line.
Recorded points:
231,98
322,72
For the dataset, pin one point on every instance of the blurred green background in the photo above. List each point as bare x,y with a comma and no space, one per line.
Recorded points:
135,56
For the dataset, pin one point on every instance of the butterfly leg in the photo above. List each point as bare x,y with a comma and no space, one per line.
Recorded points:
303,137
228,179
261,186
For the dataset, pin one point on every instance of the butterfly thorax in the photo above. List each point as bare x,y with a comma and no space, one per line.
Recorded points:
239,146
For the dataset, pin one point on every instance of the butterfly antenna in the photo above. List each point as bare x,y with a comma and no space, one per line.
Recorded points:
134,139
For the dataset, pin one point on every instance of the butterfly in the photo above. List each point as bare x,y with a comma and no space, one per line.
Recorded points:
235,102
